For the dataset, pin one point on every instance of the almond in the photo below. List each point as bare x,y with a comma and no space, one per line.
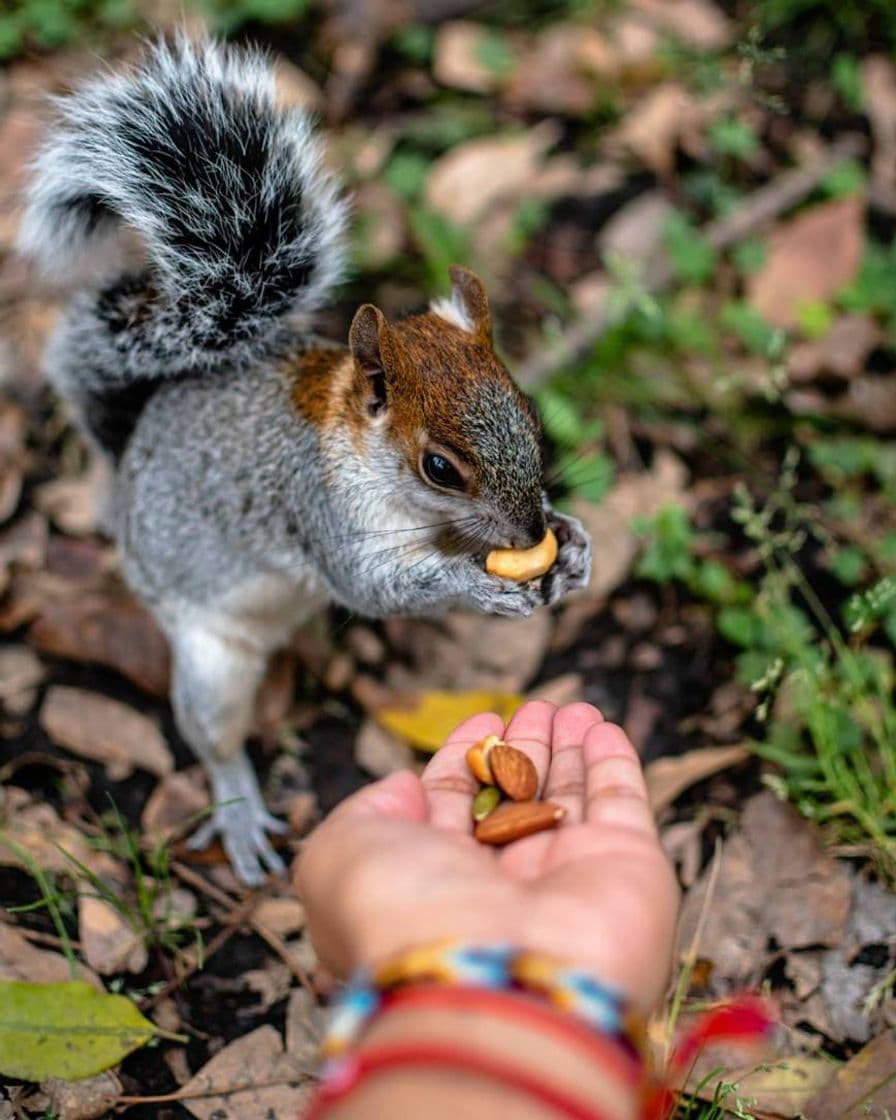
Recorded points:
514,772
515,819
477,759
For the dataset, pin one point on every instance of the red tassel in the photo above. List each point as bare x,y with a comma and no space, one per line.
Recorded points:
746,1019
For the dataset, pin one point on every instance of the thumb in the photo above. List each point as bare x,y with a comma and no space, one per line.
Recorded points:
399,795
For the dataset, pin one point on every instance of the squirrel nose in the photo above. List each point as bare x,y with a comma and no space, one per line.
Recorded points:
531,532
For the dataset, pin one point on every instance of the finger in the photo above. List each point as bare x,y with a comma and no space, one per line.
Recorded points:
566,775
530,731
615,793
449,785
398,795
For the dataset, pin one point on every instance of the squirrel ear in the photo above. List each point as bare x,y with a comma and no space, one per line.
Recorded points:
468,295
367,338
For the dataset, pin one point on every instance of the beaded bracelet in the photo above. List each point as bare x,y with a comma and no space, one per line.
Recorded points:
495,967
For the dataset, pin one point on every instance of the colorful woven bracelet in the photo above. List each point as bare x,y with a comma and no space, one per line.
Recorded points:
497,967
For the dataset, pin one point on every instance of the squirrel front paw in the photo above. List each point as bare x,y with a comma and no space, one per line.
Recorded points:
494,595
572,568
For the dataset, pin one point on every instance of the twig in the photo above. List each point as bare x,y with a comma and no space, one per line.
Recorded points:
761,208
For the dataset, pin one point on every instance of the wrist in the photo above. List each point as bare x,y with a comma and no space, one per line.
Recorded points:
489,1054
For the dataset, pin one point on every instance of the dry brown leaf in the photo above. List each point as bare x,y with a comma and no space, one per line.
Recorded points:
669,777
283,916
771,1086
637,494
653,127
863,1089
472,177
106,731
294,89
13,424
810,258
253,1076
776,881
870,401
381,218
88,1099
20,674
635,231
177,798
23,544
879,86
467,651
456,61
566,689
35,828
109,628
304,1027
108,942
562,70
379,752
20,960
73,504
842,351
699,23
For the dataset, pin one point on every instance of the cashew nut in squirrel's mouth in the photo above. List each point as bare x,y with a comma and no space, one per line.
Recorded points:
521,564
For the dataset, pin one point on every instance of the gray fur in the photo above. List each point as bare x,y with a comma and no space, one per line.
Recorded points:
235,517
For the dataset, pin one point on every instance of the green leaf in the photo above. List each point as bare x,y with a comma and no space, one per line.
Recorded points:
67,1030
406,174
494,53
692,257
732,137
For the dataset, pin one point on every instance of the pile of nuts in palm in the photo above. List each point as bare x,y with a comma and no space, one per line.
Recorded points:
506,808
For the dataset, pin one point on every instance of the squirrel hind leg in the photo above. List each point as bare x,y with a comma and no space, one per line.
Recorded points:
214,685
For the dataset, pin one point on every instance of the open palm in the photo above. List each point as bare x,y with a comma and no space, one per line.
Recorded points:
396,864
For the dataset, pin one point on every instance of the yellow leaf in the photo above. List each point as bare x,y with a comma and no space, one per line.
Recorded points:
67,1030
437,713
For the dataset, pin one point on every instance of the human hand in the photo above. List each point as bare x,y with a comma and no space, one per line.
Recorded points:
396,865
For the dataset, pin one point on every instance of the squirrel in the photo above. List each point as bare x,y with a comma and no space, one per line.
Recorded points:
256,470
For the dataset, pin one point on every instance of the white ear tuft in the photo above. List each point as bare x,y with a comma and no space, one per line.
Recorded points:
454,311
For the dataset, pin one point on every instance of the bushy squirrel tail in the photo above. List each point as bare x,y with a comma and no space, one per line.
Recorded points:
242,227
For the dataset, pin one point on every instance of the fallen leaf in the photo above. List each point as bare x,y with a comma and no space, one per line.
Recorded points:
437,713
472,177
253,1076
776,1086
89,1099
776,881
869,401
562,70
176,799
457,61
667,778
879,87
111,629
381,752
23,544
654,125
283,916
31,830
566,689
109,943
13,457
106,731
467,651
20,960
67,1030
73,504
20,674
809,259
635,231
842,351
699,23
304,1027
862,1089
294,89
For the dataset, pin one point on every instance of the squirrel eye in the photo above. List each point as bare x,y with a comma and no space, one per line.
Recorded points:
441,471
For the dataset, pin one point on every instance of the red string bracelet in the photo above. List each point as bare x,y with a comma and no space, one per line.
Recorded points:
348,1073
616,1055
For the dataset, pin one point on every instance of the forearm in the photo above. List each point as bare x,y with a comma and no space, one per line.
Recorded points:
600,1083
